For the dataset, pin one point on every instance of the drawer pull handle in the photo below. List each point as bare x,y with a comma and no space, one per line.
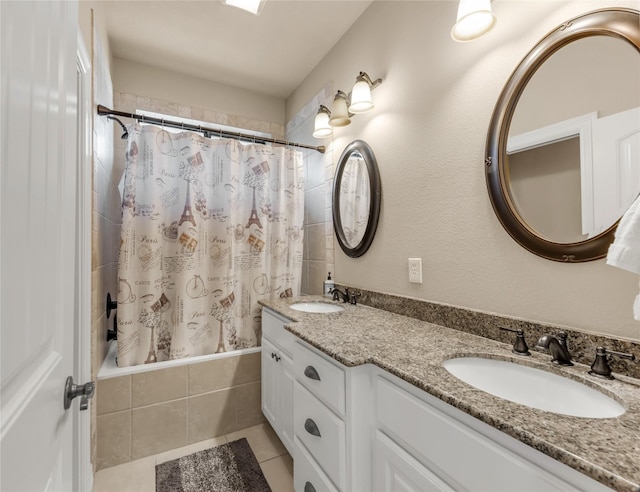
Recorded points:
308,487
311,427
311,373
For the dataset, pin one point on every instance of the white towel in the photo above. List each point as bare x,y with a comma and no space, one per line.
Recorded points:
625,250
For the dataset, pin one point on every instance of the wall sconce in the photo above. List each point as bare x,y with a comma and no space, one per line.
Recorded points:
474,20
321,127
345,106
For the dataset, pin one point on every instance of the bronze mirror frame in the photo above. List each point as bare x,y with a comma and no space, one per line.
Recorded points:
374,206
620,23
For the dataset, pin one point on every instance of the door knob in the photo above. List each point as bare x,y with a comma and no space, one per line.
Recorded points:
72,390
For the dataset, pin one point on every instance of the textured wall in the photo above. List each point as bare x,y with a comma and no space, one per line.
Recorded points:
428,133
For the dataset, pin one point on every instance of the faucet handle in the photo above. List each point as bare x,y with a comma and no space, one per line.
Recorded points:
353,297
520,344
601,367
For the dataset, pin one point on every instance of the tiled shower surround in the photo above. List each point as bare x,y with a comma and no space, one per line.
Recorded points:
143,414
146,413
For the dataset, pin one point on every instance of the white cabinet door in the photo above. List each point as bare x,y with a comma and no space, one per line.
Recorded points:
286,401
38,242
396,470
270,404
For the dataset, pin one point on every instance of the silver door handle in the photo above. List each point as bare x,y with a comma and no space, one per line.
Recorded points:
72,390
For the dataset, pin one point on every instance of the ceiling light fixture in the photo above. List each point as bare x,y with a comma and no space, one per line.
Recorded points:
253,6
474,20
345,106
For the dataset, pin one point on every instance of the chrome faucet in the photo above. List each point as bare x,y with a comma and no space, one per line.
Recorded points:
557,346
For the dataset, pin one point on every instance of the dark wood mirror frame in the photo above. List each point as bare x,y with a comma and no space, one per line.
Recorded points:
617,22
374,206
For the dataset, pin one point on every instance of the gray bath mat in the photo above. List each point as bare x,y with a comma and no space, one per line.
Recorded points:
230,467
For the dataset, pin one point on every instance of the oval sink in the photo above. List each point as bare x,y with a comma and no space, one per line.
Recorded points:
316,307
533,387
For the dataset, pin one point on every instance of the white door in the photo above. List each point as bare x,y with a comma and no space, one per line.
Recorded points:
616,166
37,242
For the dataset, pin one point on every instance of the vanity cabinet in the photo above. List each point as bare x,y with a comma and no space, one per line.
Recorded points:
277,377
353,429
422,443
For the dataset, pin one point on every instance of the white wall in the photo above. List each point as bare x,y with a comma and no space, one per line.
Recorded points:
428,133
155,83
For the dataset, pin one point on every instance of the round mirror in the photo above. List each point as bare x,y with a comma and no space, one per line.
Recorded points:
356,199
563,147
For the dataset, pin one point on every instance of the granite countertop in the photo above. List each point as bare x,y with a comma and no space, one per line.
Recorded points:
607,450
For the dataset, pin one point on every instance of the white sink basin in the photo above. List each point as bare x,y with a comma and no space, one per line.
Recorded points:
316,307
533,387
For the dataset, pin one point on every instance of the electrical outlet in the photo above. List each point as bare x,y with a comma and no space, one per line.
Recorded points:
415,270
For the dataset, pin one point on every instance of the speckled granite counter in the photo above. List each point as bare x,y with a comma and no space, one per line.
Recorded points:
607,450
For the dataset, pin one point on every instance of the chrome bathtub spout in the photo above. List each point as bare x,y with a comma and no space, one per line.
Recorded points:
557,346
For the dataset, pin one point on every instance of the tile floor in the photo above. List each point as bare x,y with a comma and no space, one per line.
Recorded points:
139,475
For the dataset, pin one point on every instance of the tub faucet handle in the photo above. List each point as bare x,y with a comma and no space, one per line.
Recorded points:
519,344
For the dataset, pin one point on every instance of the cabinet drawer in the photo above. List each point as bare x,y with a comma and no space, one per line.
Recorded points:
323,378
273,329
307,475
442,444
322,433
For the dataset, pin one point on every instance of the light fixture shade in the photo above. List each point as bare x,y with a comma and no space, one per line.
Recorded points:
474,19
322,128
339,110
253,6
361,101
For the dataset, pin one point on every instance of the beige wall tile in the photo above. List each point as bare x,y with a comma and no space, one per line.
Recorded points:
249,368
315,237
315,202
211,415
158,386
223,373
158,428
247,399
113,394
317,275
113,439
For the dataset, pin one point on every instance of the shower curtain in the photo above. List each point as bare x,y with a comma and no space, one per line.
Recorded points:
209,227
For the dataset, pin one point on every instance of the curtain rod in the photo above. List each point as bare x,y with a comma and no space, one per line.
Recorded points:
104,111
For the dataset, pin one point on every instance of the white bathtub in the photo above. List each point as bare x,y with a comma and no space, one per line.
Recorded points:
109,368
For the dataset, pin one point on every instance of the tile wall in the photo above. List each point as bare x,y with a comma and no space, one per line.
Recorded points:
317,258
147,413
106,219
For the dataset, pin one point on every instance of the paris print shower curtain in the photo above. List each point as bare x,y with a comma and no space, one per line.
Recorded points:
209,227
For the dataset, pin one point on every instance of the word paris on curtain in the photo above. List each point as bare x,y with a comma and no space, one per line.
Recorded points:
209,227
